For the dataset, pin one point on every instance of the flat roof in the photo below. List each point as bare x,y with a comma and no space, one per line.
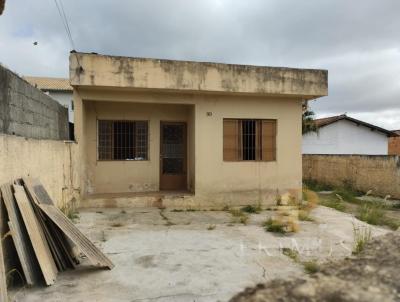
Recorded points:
94,70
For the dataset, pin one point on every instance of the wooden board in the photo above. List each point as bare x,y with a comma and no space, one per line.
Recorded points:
36,235
20,237
44,202
76,236
3,280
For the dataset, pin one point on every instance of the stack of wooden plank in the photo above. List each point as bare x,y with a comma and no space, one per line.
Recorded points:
37,237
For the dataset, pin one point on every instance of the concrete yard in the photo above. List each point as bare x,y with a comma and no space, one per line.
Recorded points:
165,255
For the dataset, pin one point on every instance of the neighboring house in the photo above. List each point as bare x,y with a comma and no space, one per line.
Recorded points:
57,88
229,134
346,135
394,144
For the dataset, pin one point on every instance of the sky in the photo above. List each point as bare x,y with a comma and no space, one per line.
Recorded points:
357,41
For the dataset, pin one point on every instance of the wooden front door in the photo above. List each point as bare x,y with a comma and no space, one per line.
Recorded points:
173,159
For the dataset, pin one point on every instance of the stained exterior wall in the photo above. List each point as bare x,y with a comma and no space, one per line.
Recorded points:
128,176
378,173
345,137
213,180
53,162
210,92
28,112
394,145
92,70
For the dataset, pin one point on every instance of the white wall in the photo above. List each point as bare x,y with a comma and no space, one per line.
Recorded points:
345,137
65,99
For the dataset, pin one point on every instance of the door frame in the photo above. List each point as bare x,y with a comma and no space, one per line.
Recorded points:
181,179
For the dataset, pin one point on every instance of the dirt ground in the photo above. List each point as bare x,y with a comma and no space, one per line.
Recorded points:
371,276
166,255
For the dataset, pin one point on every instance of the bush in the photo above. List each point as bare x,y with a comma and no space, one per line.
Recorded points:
274,226
251,209
311,267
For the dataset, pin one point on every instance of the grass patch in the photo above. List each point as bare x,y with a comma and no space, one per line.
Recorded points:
317,186
291,253
177,210
333,202
361,237
238,216
274,226
251,209
311,267
372,214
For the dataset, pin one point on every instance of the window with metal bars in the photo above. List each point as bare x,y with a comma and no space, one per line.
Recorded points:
122,140
249,140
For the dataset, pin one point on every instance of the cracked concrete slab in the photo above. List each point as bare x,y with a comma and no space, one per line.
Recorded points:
165,255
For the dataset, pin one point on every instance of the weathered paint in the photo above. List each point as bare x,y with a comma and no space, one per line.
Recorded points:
53,162
92,70
202,95
381,174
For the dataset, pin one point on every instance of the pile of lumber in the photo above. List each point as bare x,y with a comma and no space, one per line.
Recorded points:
37,237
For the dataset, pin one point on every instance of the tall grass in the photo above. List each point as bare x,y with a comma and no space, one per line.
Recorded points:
362,235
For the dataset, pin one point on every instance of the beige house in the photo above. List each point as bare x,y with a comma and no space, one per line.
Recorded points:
207,133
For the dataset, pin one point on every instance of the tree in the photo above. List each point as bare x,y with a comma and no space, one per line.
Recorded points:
308,122
2,4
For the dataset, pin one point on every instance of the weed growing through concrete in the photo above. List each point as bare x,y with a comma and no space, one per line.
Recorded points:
311,267
211,227
177,210
117,224
305,216
334,202
69,210
252,209
238,216
123,212
274,226
362,236
291,253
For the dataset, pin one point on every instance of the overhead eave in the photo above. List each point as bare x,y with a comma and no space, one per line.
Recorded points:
100,71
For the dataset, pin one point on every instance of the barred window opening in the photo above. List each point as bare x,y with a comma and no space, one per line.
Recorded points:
249,140
122,140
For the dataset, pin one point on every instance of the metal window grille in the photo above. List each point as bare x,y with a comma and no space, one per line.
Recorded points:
122,140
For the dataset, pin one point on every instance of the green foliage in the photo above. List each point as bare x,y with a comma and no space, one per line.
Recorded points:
334,203
317,186
308,123
311,267
274,226
361,237
372,214
291,253
251,209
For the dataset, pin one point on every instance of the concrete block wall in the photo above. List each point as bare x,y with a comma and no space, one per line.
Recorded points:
27,111
379,173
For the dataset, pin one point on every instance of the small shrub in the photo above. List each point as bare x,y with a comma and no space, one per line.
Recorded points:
238,216
211,227
305,216
251,209
291,253
361,237
274,226
117,224
311,267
